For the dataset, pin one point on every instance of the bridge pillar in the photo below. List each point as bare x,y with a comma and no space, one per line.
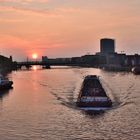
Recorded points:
28,66
46,67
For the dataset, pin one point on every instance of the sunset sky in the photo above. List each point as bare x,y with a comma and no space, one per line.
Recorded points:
64,28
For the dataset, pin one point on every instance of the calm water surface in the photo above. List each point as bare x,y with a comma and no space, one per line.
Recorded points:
41,106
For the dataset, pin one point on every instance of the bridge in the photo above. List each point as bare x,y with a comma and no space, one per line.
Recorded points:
44,64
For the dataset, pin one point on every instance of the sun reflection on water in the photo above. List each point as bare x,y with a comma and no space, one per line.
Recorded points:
34,68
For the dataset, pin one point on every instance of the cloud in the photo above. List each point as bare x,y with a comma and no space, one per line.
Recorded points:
24,1
69,10
36,7
11,20
16,1
30,11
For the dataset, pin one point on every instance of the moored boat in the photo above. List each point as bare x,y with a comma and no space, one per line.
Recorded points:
136,70
5,83
92,95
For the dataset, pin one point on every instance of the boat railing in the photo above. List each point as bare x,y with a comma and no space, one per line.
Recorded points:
89,99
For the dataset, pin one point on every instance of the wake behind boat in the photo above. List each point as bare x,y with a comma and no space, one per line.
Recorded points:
92,95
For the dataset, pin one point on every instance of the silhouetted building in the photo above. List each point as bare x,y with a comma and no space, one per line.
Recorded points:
106,58
76,60
5,63
107,46
116,59
132,60
11,58
91,60
107,54
44,59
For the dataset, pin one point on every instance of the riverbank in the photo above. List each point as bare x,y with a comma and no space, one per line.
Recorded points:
117,68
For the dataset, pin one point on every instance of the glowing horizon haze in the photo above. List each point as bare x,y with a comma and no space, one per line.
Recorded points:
66,28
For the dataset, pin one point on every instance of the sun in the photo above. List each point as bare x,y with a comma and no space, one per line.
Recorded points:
34,55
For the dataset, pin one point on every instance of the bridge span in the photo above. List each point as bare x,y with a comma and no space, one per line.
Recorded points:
28,64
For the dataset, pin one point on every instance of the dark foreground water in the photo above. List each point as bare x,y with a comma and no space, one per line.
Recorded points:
41,106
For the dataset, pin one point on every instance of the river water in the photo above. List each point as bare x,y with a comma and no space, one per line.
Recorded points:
41,106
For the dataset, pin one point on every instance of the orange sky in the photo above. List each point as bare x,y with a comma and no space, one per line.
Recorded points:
63,28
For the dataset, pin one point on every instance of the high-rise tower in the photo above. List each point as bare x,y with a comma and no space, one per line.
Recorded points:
107,46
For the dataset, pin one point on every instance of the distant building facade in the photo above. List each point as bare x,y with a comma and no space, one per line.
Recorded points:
132,60
5,63
44,59
107,46
107,57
